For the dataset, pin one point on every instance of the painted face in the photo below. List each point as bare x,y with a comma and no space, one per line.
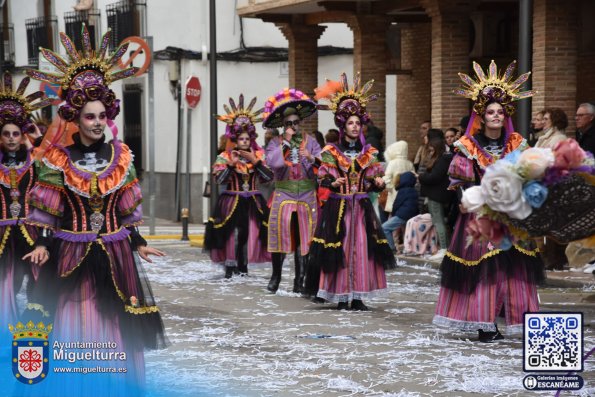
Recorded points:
92,122
450,137
547,121
583,118
243,141
11,137
292,122
494,116
353,127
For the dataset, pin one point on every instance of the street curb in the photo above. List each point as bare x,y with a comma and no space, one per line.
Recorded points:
170,236
198,242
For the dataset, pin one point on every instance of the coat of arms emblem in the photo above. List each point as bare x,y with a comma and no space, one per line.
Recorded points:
30,351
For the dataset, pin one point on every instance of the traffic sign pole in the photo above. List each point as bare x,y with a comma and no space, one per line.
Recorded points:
192,92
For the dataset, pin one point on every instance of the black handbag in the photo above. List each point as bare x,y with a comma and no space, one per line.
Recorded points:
207,190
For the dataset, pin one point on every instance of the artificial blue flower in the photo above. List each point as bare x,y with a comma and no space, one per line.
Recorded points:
535,193
505,244
512,157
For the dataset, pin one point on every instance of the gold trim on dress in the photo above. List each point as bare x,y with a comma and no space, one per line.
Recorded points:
68,273
218,225
327,245
26,234
4,238
141,310
281,205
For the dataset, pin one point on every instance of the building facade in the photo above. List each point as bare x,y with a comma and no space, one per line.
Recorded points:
252,59
416,48
413,49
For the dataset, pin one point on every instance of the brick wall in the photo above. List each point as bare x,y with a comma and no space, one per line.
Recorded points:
450,55
555,56
303,61
370,59
414,90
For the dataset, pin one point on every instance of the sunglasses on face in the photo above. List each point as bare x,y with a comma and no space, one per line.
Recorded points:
8,134
292,123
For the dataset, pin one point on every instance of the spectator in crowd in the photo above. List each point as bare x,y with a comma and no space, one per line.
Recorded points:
433,133
332,136
421,151
269,134
404,207
318,136
374,137
463,124
397,162
536,129
434,185
451,136
585,126
555,122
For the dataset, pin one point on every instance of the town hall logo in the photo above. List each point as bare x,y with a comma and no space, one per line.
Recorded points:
30,351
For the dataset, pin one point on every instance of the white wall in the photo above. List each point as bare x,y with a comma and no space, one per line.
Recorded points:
185,24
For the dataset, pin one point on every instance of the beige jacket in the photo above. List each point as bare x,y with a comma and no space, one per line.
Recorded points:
396,163
550,138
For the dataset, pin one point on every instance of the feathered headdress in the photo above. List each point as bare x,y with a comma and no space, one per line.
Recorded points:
15,107
240,119
345,101
285,102
86,74
494,88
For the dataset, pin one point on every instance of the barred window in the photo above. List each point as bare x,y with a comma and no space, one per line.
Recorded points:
73,21
126,18
7,45
41,32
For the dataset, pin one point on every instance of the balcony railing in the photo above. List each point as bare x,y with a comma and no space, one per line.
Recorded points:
126,18
41,32
7,45
73,21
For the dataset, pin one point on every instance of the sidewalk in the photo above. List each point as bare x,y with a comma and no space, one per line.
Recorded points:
554,279
171,230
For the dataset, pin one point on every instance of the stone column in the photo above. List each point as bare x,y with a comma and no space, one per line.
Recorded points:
555,56
303,61
370,59
414,89
450,55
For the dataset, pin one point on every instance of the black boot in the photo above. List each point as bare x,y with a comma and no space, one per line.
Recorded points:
300,273
229,270
359,306
490,336
276,276
343,306
242,269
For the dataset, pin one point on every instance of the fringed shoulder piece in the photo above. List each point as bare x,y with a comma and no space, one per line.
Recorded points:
119,172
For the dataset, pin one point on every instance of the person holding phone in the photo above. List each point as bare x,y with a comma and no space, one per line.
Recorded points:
241,206
293,157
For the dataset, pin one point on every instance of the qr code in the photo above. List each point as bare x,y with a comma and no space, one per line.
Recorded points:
553,342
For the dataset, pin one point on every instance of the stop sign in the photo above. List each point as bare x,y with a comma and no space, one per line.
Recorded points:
193,91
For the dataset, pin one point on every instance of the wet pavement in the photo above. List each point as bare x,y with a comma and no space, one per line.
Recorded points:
233,338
